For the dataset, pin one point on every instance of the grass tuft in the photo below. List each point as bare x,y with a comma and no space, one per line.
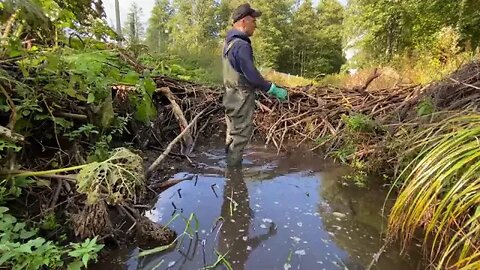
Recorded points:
441,193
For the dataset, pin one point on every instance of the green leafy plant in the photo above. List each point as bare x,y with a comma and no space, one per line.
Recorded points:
119,125
116,179
425,107
100,151
344,152
11,188
4,145
8,146
49,222
359,178
145,110
21,248
359,123
84,253
84,130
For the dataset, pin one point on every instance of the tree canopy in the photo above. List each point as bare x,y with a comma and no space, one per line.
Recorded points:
290,37
386,28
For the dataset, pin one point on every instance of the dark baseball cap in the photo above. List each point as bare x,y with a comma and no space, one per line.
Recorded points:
243,11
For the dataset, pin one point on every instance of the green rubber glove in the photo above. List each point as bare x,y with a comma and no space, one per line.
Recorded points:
278,92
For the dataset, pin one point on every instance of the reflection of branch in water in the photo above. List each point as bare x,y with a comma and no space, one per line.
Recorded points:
185,255
233,204
158,265
213,189
175,209
341,261
220,259
204,241
256,241
219,219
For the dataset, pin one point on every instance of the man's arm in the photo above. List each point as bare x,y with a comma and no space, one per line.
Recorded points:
245,57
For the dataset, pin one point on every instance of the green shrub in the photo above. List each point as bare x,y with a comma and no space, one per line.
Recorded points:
359,123
425,107
21,248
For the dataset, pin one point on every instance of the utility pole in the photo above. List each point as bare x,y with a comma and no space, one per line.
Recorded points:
119,25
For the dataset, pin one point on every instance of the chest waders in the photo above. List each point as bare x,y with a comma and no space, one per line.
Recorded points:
239,103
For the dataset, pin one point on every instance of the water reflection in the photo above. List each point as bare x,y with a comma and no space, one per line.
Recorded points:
235,240
277,212
357,224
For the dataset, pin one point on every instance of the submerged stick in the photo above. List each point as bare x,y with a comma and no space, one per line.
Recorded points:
165,153
376,256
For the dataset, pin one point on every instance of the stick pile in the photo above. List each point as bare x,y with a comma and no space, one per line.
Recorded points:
191,98
459,91
313,114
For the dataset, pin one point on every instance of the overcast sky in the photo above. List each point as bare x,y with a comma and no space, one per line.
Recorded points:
146,5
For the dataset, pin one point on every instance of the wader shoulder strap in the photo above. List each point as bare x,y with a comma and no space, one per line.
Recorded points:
229,46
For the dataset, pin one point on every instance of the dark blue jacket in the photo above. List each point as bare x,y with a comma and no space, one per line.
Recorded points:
241,59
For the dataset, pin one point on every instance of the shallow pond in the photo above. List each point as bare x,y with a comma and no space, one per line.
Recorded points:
289,211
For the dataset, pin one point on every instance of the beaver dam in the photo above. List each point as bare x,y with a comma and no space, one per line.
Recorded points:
296,204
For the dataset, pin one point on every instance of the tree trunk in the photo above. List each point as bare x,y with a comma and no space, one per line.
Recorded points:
119,25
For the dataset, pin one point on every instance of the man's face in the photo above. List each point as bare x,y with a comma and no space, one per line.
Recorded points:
249,24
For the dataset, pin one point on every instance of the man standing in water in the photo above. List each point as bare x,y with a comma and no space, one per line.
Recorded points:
241,78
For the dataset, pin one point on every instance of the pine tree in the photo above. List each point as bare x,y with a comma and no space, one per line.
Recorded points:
158,31
329,45
302,39
315,43
133,27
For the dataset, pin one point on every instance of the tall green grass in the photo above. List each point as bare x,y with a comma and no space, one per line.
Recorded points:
440,193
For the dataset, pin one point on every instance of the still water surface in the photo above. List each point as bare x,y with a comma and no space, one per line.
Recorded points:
280,212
